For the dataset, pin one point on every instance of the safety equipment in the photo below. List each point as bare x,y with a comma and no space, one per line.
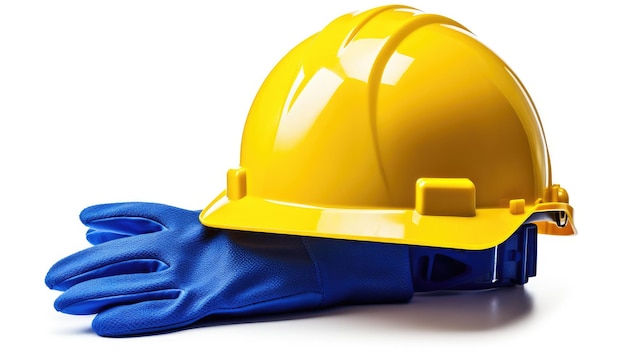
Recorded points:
393,125
157,268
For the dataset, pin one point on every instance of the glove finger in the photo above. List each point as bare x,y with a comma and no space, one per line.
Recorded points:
119,268
141,318
108,259
113,221
96,295
159,213
109,229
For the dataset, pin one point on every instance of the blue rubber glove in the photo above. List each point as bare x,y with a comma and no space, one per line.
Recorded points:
156,268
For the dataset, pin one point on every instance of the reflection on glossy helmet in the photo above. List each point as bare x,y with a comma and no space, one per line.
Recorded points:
393,125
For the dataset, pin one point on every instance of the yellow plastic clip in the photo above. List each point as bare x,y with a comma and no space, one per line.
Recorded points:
555,193
517,206
236,183
445,197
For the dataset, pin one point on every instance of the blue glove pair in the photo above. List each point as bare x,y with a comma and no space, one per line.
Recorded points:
156,268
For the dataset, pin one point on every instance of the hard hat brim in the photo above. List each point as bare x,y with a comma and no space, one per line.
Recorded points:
488,228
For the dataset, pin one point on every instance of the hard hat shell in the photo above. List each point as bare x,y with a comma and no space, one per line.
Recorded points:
393,125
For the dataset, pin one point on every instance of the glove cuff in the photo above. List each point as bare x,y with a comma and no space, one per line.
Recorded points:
361,272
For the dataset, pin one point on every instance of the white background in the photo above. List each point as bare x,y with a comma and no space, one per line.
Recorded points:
113,101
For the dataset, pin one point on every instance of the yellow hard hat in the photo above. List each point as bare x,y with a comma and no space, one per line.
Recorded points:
393,125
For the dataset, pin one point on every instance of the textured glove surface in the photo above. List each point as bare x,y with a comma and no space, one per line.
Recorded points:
155,268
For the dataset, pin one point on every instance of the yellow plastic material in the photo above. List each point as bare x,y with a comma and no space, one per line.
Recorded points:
393,125
445,197
236,184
